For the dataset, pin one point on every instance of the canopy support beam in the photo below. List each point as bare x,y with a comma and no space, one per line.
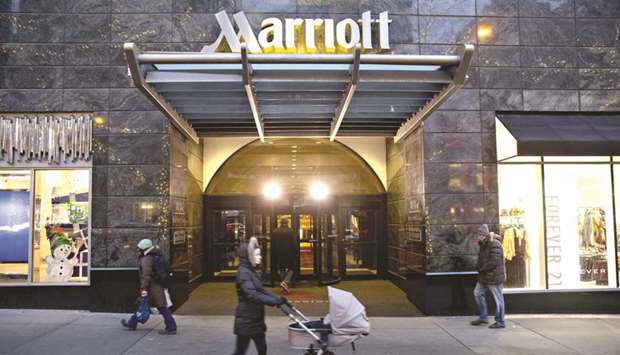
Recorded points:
249,90
132,54
348,94
459,76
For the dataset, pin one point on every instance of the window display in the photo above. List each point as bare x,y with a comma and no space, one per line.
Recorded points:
522,227
44,226
14,225
61,233
578,211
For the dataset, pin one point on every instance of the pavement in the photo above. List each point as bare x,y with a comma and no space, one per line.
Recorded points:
78,332
380,297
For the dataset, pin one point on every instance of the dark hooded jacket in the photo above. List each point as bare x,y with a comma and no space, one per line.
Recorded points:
157,297
491,261
283,248
250,314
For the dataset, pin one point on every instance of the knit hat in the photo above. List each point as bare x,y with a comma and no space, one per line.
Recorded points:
58,241
483,230
145,244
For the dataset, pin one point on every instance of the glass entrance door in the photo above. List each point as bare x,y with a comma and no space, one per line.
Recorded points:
316,237
328,248
229,231
359,243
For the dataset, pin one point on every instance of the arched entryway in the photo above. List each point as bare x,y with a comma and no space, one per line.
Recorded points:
340,235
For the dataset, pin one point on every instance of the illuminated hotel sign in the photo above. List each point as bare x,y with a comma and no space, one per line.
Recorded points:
297,35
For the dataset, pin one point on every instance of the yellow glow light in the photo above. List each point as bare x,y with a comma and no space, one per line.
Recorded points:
319,191
272,190
485,31
99,120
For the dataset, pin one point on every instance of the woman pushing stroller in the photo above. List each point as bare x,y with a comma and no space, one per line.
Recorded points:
250,313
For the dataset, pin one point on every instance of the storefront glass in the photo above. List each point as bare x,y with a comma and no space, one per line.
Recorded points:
45,226
579,214
567,240
61,233
230,232
522,225
14,225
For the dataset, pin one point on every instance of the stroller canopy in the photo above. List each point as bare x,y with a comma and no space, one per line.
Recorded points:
347,317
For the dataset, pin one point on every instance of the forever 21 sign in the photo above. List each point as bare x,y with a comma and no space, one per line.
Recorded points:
283,36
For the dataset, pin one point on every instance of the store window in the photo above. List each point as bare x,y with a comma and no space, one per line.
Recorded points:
579,213
46,224
61,233
572,243
14,225
522,225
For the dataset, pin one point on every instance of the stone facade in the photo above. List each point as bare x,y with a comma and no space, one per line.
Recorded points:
539,55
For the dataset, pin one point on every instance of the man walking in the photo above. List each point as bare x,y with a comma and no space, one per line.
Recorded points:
491,277
284,252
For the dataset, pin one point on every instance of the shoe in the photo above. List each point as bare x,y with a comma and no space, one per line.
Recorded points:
479,321
126,325
284,287
167,332
497,326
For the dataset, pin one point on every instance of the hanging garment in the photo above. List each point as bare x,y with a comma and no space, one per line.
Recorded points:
516,267
508,244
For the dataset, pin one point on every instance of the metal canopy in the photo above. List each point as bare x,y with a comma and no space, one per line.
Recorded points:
275,95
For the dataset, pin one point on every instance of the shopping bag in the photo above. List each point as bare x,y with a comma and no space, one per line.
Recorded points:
144,312
168,299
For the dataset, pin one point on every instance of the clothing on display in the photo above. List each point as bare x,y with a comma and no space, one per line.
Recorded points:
516,254
592,245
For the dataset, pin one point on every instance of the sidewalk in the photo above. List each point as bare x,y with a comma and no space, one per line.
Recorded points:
73,332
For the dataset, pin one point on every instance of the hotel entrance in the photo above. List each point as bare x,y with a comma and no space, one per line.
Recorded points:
323,191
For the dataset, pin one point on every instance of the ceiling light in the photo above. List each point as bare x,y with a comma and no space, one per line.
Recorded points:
319,191
272,190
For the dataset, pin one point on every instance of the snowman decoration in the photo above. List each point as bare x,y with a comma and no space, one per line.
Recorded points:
59,265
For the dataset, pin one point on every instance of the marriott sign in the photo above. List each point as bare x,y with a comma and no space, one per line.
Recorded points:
281,36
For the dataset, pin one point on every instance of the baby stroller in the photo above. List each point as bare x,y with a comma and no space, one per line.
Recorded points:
345,323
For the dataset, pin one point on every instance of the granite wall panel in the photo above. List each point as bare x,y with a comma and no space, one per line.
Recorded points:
497,7
542,55
31,54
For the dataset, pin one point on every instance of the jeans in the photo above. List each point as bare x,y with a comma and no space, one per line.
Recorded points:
243,341
498,296
164,311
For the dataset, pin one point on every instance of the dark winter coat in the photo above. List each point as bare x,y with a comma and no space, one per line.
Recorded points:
283,248
491,262
147,279
250,313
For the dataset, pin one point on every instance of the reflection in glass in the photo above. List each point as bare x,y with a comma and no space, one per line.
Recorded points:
306,244
14,225
329,246
360,242
522,227
229,232
61,235
580,247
